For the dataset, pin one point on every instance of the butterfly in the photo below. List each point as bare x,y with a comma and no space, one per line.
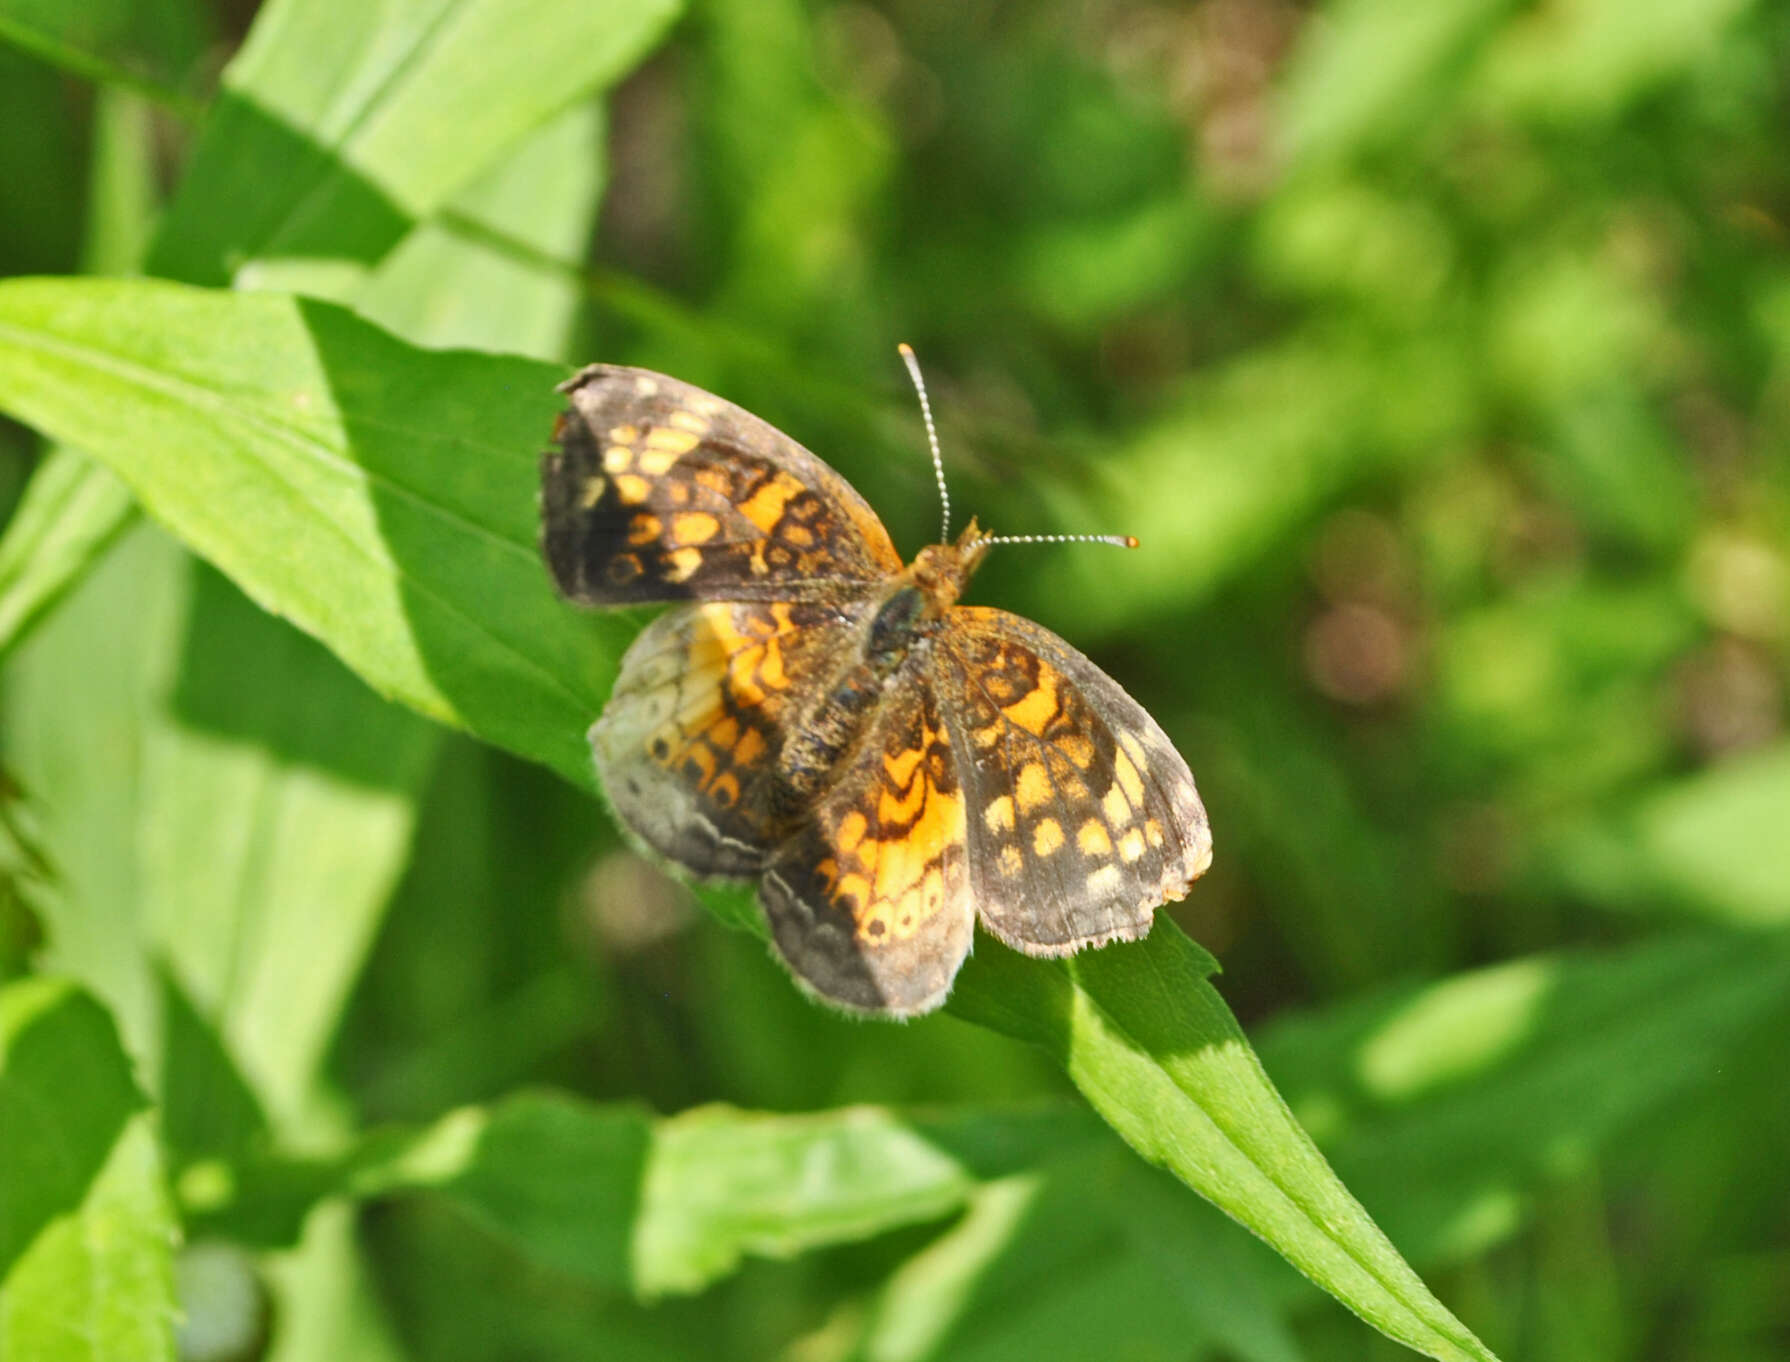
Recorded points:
815,716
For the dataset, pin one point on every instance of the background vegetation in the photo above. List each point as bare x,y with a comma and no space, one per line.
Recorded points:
1440,356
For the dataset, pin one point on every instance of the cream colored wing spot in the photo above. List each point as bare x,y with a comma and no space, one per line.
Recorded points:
594,487
681,564
1115,806
1047,837
617,459
998,816
1104,880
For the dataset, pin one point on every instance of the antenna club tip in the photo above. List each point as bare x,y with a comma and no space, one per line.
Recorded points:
905,349
1130,541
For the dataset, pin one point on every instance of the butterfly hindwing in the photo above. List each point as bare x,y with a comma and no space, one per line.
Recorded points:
689,746
869,898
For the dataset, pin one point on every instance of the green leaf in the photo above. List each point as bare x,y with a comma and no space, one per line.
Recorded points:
340,126
1088,1255
85,1228
380,497
71,511
152,46
664,1206
278,799
1454,1109
1156,1052
448,283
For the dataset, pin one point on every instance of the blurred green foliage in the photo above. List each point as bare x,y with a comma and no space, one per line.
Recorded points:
1439,355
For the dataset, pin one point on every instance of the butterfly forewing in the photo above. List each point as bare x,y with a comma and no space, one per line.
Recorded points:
659,491
1081,816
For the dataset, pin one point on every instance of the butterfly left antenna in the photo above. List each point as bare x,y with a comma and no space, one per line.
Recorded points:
932,436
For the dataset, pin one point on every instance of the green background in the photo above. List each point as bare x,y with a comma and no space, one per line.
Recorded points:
1438,354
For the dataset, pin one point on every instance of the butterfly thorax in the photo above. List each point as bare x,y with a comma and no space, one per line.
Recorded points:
909,613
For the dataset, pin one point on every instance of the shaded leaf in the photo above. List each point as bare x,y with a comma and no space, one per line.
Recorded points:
71,511
86,1232
268,431
339,127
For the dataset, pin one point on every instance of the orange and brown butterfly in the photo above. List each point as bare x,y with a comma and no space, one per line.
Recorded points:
818,717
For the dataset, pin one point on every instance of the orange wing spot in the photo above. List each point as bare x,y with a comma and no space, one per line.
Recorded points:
716,481
853,891
770,670
851,831
742,678
632,489
724,789
1092,839
900,766
891,809
765,507
1129,780
1037,707
1047,836
724,732
1033,786
750,749
644,529
617,459
799,535
1131,845
694,527
699,755
998,816
1077,748
986,738
681,564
